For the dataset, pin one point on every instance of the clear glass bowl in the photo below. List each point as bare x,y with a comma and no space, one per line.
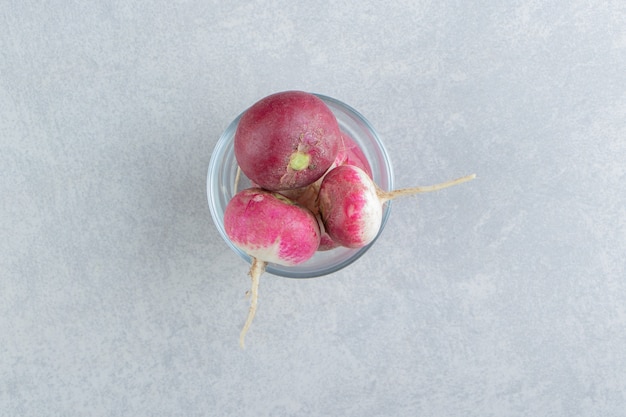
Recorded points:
221,188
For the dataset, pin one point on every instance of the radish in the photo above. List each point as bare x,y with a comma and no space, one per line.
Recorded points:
287,140
351,205
270,228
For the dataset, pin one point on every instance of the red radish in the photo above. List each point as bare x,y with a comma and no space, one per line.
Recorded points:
287,140
350,204
270,228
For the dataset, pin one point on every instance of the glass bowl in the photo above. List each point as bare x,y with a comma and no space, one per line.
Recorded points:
221,188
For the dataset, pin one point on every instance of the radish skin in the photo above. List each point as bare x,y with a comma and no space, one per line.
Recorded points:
349,206
271,227
287,140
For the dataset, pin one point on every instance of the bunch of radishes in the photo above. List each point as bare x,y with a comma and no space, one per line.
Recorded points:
313,187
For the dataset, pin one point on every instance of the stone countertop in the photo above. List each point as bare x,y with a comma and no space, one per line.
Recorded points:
502,297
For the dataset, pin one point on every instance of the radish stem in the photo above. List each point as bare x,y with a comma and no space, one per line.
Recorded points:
237,177
256,270
389,195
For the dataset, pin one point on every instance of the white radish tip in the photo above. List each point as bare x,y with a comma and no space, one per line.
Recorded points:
256,270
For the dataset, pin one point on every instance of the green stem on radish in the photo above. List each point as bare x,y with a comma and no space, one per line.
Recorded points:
256,270
390,195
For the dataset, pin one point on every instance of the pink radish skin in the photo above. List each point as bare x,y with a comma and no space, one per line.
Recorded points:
287,140
270,228
351,204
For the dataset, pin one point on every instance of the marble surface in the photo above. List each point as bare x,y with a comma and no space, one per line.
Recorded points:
502,297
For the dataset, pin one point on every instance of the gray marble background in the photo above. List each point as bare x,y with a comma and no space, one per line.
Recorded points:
502,297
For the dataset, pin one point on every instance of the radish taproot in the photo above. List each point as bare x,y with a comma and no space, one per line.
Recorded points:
287,140
269,227
351,205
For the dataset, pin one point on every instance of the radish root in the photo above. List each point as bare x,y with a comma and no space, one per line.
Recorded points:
390,195
237,178
256,270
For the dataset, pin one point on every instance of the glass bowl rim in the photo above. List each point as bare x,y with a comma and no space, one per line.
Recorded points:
292,272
